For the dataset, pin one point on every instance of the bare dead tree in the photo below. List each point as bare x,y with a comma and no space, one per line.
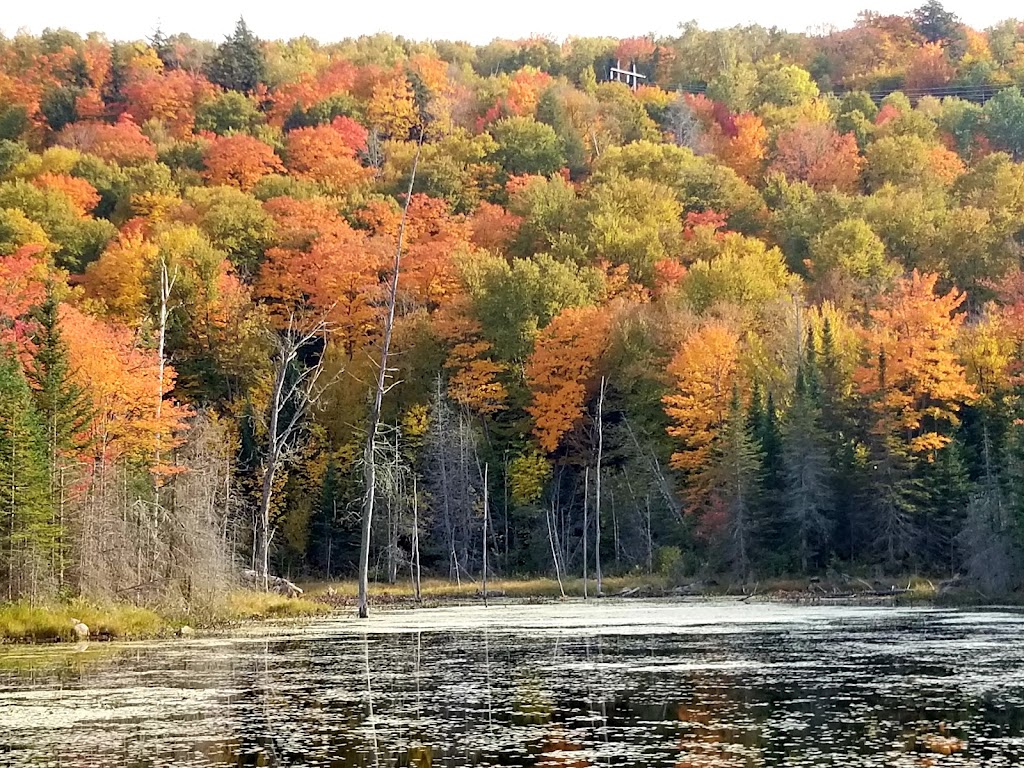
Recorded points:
416,540
586,525
484,554
167,281
554,548
296,391
597,487
369,459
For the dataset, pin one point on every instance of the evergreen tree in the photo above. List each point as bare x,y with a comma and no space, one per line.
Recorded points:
27,538
809,499
893,494
239,63
825,380
990,551
935,23
948,492
764,425
64,410
735,479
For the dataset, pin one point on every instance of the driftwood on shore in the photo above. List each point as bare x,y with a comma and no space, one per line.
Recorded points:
276,584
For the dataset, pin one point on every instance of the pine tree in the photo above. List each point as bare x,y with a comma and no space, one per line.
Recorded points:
26,535
64,410
948,492
239,64
826,382
892,493
763,420
735,483
809,499
990,552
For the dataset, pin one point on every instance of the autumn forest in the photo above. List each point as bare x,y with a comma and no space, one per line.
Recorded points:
725,304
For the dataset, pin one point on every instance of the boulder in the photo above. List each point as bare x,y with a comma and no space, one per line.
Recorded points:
80,630
186,631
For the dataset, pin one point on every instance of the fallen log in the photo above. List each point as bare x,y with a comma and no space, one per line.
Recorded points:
276,584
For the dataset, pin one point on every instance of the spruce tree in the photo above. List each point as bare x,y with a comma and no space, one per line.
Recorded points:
735,479
947,485
809,499
893,492
239,63
765,428
27,537
990,549
64,410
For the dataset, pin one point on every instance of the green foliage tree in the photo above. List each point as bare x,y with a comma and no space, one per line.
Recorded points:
525,146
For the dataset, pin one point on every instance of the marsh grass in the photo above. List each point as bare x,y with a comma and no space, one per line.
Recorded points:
22,622
525,588
54,622
247,606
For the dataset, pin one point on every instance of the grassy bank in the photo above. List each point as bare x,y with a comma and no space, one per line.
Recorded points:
899,589
20,622
442,590
55,622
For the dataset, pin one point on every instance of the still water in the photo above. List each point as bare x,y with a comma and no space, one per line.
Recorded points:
620,683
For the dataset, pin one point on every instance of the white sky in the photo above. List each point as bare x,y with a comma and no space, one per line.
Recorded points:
477,21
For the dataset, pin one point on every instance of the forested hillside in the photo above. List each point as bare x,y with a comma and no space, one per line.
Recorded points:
756,309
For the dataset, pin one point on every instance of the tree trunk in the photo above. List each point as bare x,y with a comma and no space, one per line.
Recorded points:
597,488
554,551
416,541
369,460
166,286
484,553
586,525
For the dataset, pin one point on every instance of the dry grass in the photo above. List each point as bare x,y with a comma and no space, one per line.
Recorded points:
247,606
24,623
525,588
21,622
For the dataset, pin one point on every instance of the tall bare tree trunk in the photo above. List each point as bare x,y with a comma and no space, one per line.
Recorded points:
167,282
554,550
416,541
486,516
597,487
301,394
369,460
586,525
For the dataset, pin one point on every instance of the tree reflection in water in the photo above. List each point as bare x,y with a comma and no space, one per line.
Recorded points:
617,684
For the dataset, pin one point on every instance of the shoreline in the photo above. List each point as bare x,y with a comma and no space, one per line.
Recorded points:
22,624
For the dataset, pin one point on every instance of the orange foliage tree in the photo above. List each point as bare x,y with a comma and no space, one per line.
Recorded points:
239,161
80,193
562,369
170,97
815,153
473,377
22,287
327,153
122,142
912,375
131,412
322,267
705,369
745,150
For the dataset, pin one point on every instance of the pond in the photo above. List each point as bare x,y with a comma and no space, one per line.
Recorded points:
615,683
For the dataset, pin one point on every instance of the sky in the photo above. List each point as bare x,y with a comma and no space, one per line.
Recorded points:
475,21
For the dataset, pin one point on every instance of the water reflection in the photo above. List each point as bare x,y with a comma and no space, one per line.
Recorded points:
652,684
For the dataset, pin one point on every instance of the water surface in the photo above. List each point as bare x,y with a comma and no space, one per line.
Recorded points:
617,683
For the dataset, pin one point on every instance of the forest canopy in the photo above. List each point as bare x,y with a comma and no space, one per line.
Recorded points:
750,300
